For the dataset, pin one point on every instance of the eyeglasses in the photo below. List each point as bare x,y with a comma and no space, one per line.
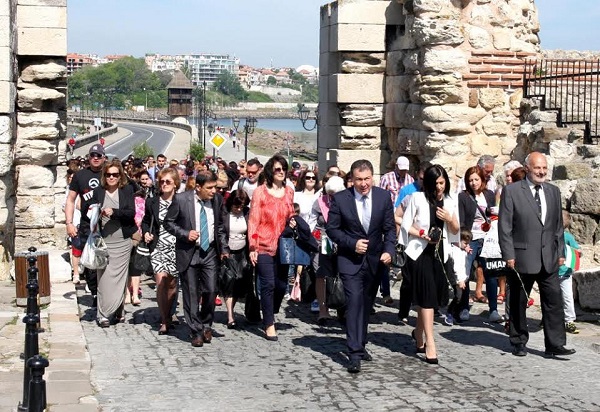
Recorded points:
165,182
279,169
221,188
250,172
112,174
96,156
310,177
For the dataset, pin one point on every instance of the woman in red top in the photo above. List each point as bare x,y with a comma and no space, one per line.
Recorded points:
271,206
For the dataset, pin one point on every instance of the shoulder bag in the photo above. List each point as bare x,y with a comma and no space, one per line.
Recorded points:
141,258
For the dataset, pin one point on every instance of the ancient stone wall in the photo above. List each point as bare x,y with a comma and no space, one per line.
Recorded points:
445,75
33,46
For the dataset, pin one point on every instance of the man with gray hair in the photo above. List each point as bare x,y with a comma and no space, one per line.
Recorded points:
487,164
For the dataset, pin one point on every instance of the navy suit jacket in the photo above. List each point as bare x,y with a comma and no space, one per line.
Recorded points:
345,229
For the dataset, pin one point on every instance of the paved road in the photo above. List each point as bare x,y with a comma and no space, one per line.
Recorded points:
136,369
158,138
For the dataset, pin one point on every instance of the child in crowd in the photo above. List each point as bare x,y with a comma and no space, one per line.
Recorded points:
566,281
458,253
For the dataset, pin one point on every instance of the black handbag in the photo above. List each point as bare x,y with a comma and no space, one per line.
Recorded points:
141,258
307,284
292,254
399,258
252,304
227,277
335,295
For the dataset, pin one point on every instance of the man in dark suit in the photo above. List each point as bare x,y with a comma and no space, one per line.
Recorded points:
361,223
531,236
194,218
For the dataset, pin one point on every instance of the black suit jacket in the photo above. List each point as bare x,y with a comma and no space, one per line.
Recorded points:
180,220
522,235
467,207
344,228
151,211
125,213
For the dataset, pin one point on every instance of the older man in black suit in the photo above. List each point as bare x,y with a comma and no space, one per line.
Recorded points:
194,218
531,236
361,223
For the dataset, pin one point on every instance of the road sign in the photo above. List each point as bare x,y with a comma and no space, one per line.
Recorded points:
218,140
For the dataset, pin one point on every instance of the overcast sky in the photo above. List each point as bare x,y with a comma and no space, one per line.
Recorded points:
258,31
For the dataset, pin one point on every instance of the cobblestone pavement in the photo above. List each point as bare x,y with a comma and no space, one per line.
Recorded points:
135,369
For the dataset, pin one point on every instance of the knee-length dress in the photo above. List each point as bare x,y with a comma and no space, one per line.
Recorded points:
163,256
429,282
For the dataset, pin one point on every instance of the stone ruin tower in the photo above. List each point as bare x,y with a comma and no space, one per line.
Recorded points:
437,80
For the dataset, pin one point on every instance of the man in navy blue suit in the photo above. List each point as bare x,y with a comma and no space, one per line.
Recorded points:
361,223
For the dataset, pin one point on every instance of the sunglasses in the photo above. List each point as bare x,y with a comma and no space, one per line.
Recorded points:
221,188
112,174
165,182
96,156
279,169
310,178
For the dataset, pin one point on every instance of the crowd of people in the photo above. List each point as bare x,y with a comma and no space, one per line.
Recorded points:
204,218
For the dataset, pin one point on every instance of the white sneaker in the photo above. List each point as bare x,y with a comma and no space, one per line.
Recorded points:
496,317
464,315
314,306
286,297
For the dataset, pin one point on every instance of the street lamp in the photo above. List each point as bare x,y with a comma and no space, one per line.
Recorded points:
248,128
203,114
304,115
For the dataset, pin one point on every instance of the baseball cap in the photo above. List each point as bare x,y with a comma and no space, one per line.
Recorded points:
98,149
295,165
403,163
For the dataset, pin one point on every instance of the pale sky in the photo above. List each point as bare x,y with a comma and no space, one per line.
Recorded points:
256,31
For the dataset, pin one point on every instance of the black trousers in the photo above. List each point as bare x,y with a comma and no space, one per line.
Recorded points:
405,294
200,281
360,290
552,308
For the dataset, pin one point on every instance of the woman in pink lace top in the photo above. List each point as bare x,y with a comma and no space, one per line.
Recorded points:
271,206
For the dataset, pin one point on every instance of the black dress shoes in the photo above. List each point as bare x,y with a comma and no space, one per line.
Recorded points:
559,351
519,350
354,366
207,335
367,357
197,341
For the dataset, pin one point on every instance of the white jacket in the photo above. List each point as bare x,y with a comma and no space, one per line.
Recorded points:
417,214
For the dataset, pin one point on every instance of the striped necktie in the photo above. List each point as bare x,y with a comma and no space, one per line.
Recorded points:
366,213
204,240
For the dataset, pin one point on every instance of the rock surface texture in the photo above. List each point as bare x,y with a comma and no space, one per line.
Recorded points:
33,47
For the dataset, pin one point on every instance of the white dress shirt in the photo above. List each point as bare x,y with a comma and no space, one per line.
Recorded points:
542,198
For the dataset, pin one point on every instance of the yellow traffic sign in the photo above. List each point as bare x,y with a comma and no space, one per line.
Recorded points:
218,140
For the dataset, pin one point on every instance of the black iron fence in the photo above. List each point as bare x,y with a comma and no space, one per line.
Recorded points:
569,87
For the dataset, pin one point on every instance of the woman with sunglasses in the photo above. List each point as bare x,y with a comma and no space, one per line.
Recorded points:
162,245
272,205
117,225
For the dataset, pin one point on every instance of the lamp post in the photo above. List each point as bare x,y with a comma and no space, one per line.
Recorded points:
204,119
304,115
248,128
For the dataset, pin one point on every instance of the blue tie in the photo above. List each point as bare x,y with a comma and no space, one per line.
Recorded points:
204,241
366,214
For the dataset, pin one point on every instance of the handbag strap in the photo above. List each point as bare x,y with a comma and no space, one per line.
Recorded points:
483,214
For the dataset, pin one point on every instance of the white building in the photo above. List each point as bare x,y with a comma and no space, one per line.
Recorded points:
203,67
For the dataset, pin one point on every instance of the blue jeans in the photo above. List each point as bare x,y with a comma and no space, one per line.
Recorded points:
273,282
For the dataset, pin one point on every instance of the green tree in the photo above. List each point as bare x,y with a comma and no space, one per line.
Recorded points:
271,81
228,84
142,150
196,151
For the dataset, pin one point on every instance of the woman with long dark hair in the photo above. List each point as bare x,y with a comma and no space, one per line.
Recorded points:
429,225
272,205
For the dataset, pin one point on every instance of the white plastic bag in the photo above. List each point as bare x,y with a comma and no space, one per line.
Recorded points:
491,246
95,252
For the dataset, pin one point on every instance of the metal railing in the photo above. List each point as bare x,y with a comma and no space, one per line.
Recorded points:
569,87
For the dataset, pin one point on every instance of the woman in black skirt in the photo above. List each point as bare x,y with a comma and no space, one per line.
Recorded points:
429,226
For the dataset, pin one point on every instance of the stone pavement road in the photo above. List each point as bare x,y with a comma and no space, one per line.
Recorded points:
135,369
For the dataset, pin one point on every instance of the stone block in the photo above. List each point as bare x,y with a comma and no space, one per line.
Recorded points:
491,98
6,158
479,38
36,152
324,39
583,228
324,89
35,180
442,89
361,115
352,37
41,16
6,36
329,137
329,114
34,212
444,61
49,70
6,68
366,12
394,63
51,3
363,63
345,158
435,8
397,89
586,197
6,129
484,145
566,187
357,88
352,137
36,41
5,8
587,283
329,63
41,133
572,171
449,113
437,31
39,99
8,95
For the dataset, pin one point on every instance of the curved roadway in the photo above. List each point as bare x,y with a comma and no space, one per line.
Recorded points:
157,138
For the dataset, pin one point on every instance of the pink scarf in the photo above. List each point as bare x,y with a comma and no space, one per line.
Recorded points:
324,205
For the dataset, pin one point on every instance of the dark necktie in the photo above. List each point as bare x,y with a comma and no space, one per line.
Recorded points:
538,200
